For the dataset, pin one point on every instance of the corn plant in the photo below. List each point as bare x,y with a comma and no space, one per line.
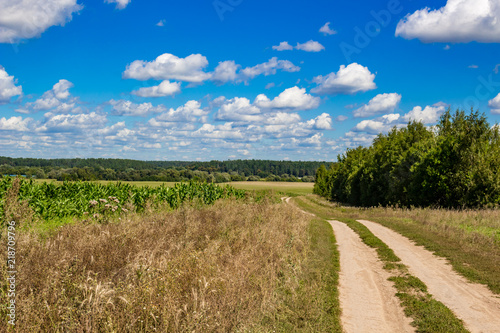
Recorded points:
49,200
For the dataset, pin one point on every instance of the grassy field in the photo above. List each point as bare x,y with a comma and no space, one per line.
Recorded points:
250,265
469,239
237,265
292,188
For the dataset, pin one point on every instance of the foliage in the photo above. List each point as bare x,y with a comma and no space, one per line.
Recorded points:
168,171
454,164
49,200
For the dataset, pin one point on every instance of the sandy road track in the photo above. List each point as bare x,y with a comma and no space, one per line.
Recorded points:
478,307
367,299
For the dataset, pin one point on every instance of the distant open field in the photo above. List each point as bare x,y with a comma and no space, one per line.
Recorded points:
288,187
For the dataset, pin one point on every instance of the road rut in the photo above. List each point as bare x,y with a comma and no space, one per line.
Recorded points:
367,298
477,306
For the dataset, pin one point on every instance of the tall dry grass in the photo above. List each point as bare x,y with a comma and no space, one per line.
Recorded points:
13,209
230,267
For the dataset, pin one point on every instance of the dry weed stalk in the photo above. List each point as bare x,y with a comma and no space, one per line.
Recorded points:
15,209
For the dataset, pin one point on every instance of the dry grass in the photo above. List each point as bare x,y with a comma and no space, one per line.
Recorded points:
470,239
232,267
15,210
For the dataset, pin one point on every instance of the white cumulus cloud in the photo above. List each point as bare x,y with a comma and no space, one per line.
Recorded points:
322,122
313,140
61,89
30,18
165,88
263,110
120,4
379,125
326,30
191,69
382,103
282,118
291,99
267,68
191,112
494,104
72,123
58,99
284,46
348,80
459,21
8,88
225,131
354,139
15,124
128,108
239,109
226,72
169,67
428,115
310,46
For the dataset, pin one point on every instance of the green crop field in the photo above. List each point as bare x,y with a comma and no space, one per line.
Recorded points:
59,202
296,188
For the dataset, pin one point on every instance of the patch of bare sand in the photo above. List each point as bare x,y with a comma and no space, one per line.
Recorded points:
477,306
367,298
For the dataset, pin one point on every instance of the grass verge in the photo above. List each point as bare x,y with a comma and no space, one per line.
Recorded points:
428,314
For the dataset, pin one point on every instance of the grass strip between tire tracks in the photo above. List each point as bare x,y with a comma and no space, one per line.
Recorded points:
428,314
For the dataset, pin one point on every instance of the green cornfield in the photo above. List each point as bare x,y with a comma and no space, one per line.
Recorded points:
80,199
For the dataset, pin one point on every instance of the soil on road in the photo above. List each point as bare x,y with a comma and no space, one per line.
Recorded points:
477,306
367,298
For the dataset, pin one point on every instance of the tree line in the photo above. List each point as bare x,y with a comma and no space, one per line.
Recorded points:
134,170
455,164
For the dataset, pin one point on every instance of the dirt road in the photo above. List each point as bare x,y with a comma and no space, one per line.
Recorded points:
367,298
478,307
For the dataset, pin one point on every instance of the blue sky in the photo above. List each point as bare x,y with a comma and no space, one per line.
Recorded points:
231,79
